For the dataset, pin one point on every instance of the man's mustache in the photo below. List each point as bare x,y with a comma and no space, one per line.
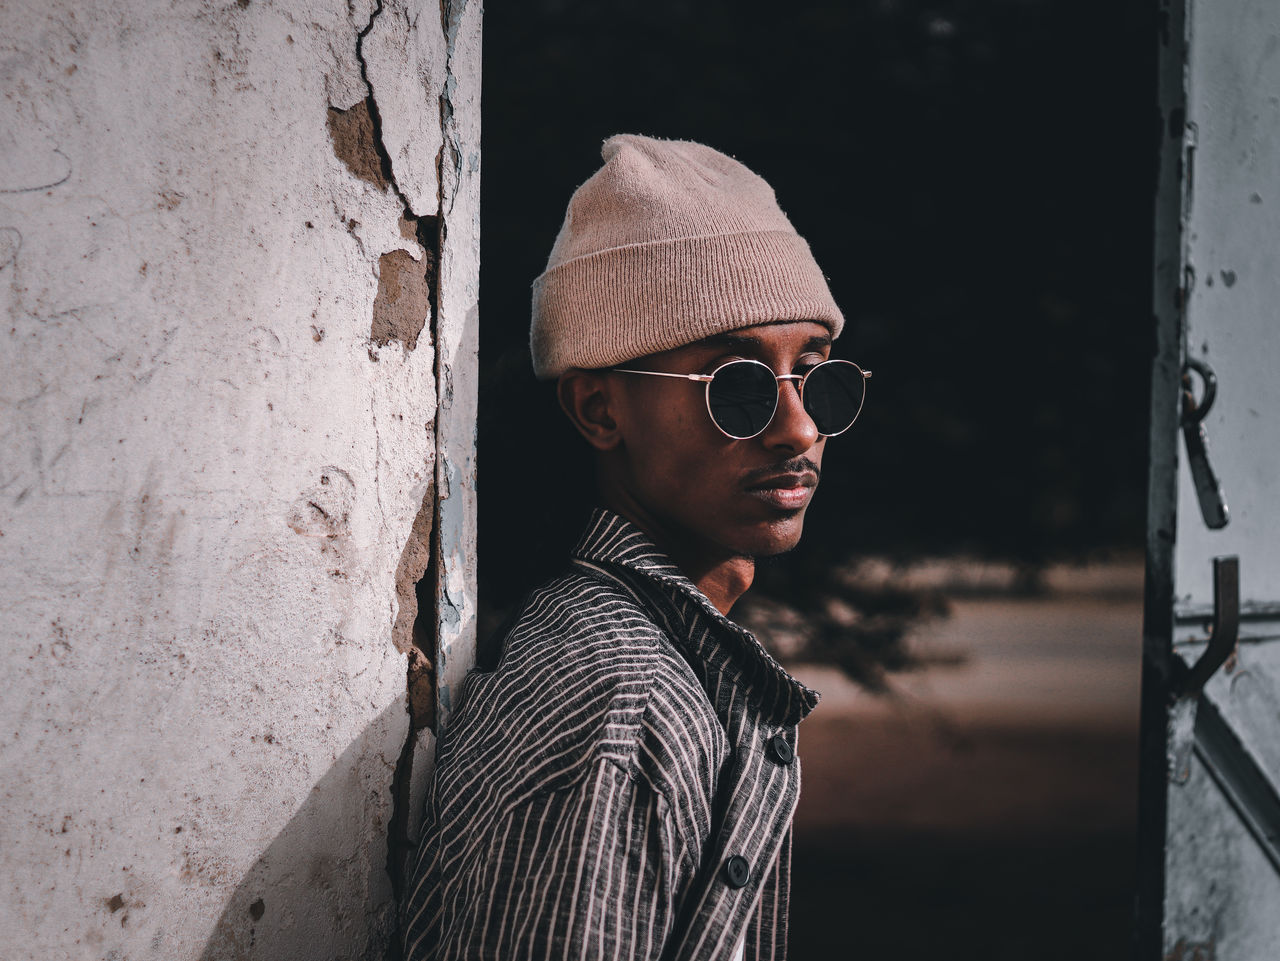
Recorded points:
796,465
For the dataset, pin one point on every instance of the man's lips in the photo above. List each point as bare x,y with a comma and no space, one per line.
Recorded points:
786,480
786,491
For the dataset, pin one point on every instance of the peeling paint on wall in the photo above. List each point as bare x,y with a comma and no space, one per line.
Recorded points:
354,144
403,304
213,506
406,283
413,565
457,338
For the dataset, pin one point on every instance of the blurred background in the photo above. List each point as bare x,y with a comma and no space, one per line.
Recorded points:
976,179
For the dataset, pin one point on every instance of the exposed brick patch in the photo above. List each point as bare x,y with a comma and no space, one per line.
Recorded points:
404,301
355,143
413,564
422,691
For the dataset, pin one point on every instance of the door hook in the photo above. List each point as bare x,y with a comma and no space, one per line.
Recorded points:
1213,504
1226,626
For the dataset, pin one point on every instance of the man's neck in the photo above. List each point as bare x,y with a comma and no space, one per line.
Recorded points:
724,581
720,574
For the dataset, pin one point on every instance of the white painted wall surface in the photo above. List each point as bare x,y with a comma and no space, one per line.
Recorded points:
1221,887
1233,220
211,466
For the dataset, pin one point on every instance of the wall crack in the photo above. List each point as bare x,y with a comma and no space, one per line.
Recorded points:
375,117
406,296
407,299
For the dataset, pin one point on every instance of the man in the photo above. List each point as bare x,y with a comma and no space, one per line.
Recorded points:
622,784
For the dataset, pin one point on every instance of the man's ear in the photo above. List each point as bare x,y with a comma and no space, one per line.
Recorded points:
586,397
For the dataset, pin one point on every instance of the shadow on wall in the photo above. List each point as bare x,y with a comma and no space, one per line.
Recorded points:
321,890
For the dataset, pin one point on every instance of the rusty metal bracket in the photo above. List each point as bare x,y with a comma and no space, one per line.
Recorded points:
1186,693
1213,503
1225,630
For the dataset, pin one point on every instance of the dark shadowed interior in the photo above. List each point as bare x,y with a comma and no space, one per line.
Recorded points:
976,179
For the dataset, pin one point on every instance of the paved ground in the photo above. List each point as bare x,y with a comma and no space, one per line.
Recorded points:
987,811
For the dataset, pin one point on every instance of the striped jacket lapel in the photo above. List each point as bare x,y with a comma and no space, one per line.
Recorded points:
756,700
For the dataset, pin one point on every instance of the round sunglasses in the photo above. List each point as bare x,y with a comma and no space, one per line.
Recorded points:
742,395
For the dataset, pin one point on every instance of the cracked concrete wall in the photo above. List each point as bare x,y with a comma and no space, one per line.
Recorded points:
238,261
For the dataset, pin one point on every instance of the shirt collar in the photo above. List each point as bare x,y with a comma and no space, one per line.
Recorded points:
612,540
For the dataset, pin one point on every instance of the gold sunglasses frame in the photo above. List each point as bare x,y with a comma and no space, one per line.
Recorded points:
708,378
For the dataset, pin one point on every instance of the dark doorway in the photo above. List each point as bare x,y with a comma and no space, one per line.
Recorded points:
977,181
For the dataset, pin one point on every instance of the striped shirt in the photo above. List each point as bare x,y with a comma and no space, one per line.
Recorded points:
621,786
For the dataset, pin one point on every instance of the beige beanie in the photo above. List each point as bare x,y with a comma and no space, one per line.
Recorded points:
669,242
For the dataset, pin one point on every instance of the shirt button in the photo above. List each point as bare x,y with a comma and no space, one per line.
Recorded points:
737,871
779,749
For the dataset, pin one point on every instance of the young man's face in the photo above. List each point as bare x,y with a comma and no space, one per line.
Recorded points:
691,483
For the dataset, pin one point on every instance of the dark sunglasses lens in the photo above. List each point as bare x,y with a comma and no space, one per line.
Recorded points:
833,396
742,398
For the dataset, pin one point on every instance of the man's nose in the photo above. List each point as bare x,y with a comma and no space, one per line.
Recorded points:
791,428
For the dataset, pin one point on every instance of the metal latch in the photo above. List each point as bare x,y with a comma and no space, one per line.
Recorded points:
1226,626
1186,690
1213,505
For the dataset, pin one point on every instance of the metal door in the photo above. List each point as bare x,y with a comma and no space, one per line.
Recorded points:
1209,883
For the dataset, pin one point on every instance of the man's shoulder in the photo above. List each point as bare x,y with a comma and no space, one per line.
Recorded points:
599,634
578,665
573,619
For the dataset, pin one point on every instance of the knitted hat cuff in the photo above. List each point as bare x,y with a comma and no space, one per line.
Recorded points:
607,307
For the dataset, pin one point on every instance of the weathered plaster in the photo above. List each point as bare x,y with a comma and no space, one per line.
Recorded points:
354,142
457,340
218,477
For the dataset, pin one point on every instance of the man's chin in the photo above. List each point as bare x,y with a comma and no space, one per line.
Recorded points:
777,538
